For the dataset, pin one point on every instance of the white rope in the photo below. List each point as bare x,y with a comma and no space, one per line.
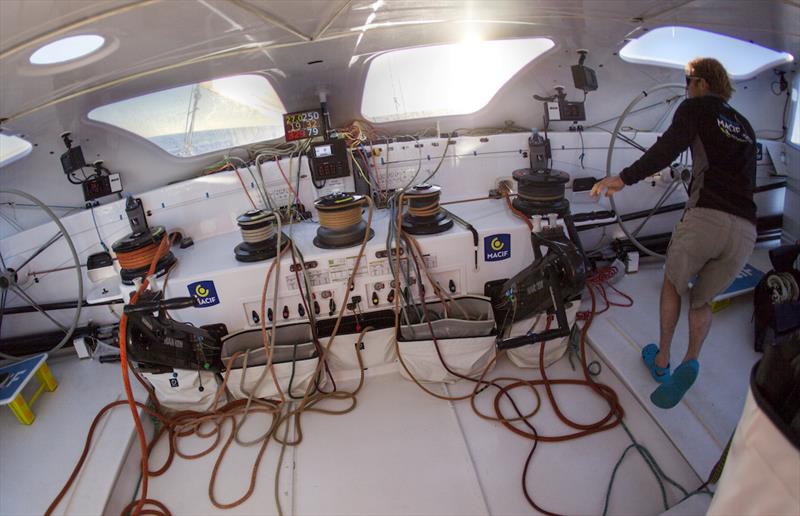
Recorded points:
783,288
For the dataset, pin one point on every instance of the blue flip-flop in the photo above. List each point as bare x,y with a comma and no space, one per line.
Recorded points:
659,374
670,392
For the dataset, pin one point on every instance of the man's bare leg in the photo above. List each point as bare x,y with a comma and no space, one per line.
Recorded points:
699,324
670,311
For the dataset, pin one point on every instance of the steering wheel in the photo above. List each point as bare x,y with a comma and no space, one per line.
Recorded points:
9,281
678,177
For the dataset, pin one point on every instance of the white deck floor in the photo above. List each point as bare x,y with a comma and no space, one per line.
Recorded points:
36,460
404,452
399,452
702,423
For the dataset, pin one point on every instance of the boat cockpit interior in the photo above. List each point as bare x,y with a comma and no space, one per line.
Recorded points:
399,257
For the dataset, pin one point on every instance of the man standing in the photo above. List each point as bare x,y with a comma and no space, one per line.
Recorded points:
716,235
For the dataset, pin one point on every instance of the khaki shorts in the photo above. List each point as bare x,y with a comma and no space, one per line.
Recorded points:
712,245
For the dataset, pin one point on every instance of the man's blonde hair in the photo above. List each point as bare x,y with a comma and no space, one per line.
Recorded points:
714,74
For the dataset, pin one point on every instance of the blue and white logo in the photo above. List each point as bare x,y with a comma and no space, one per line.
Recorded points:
497,247
204,292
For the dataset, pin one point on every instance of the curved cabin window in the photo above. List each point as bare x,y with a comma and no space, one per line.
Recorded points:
673,47
794,135
454,79
204,117
13,148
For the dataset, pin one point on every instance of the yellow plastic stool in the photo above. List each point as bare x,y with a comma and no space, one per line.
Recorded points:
17,376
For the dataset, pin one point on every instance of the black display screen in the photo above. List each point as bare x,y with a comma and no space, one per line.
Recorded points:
303,124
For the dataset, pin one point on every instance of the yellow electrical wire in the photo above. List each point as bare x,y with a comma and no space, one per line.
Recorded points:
360,170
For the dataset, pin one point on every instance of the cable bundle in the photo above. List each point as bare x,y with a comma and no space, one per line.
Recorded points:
424,215
340,221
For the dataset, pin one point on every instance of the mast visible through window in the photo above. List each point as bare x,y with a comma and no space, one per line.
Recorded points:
200,118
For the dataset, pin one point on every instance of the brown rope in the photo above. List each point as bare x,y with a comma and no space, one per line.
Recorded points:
424,205
340,218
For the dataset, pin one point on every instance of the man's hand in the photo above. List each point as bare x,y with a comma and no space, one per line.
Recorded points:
611,185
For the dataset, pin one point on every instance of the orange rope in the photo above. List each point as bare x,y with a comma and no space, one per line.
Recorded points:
142,257
123,358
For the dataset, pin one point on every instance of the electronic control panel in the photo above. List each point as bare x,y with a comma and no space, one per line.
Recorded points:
374,288
565,111
329,160
100,186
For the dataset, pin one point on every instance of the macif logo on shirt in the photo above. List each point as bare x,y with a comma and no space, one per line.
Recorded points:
204,292
733,129
497,247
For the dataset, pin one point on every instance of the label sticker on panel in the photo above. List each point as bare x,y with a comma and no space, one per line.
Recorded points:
204,292
497,247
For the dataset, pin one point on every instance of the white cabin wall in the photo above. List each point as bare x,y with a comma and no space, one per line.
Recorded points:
144,167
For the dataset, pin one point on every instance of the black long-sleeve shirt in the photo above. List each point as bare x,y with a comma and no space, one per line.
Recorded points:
723,156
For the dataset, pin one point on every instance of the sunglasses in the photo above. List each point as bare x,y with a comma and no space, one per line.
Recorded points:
690,78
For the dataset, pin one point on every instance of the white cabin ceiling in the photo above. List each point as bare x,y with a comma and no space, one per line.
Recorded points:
157,39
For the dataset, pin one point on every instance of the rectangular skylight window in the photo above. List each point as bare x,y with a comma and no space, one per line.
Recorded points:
673,47
200,118
13,148
441,80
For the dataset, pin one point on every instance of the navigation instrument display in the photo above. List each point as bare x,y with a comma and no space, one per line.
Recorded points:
303,124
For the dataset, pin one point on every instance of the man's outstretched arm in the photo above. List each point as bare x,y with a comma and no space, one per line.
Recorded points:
675,140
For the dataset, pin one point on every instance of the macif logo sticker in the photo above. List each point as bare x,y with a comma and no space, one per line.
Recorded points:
204,292
497,247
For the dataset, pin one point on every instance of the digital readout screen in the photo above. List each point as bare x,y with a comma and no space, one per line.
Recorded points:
322,151
302,125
